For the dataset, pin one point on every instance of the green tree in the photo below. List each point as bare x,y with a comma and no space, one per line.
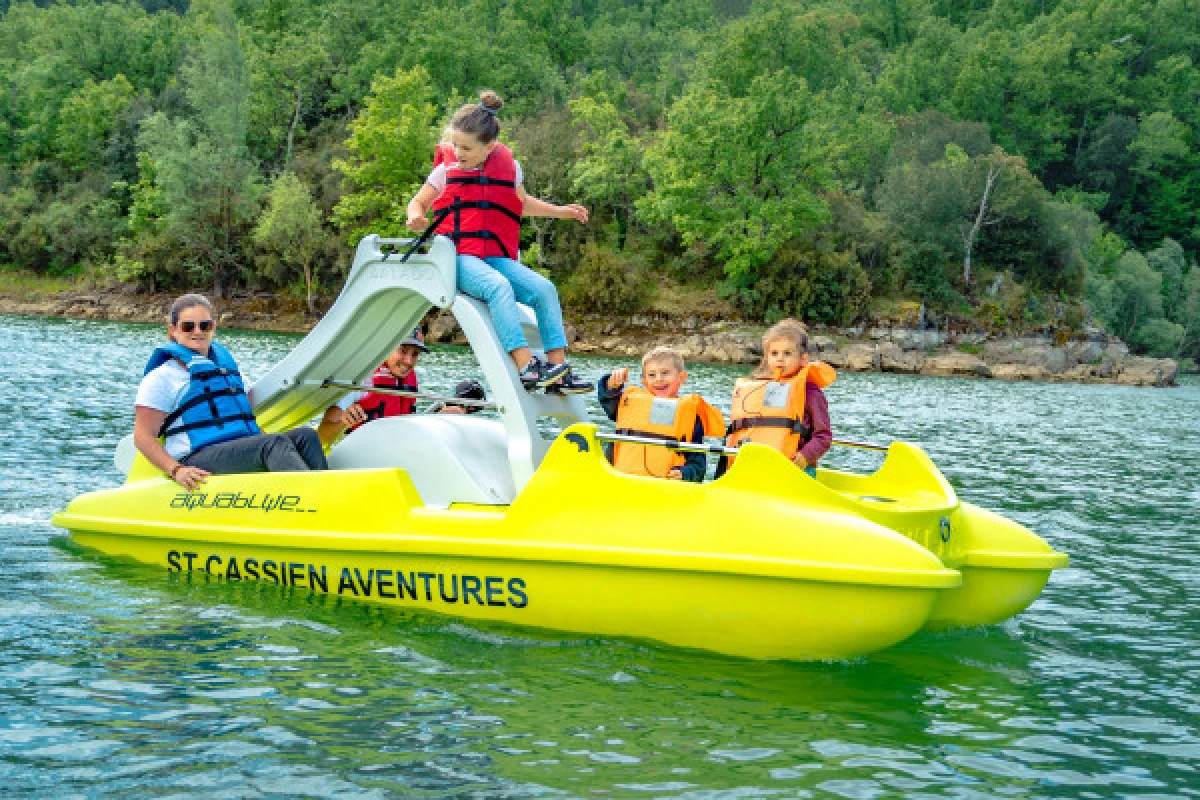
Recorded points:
87,117
950,202
1170,261
1189,312
546,145
49,54
287,80
390,153
1104,164
1129,297
289,233
608,282
609,169
814,46
893,22
207,183
1165,166
1159,336
710,137
742,175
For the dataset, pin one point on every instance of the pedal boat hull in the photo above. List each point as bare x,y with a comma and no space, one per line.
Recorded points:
750,565
1004,565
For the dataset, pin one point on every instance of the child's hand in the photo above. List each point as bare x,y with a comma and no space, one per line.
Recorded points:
354,415
617,379
675,474
575,211
799,460
417,224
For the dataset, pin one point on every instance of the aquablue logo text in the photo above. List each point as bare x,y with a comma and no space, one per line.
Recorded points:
263,501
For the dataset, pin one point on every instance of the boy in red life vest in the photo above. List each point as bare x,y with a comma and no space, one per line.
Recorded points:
656,411
476,193
782,404
397,372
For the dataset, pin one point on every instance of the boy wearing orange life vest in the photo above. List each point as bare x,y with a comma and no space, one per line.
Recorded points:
655,410
782,404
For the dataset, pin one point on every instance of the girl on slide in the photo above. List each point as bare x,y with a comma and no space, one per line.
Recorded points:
478,200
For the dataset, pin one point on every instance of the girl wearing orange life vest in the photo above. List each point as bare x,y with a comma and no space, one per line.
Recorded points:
479,199
658,412
782,404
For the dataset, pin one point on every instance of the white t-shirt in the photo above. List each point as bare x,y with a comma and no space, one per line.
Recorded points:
162,389
437,178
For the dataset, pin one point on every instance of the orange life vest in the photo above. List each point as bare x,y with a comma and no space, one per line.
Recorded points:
772,412
671,419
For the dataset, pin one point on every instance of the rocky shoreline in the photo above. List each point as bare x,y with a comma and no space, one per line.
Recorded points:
1096,357
1093,358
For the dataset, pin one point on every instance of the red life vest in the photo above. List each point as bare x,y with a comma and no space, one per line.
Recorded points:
481,207
378,405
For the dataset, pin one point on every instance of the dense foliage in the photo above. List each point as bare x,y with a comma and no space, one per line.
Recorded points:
1007,163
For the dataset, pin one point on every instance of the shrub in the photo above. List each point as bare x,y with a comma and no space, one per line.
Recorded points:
608,282
926,268
810,280
1158,337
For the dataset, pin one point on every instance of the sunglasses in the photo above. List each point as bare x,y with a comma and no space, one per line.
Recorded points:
187,326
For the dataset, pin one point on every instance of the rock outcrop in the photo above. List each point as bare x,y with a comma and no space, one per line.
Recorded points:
1093,358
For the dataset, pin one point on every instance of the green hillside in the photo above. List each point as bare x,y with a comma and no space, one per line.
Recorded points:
1009,165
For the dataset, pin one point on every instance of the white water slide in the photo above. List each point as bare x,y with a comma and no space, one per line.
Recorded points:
451,458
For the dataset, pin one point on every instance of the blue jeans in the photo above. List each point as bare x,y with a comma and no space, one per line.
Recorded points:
502,283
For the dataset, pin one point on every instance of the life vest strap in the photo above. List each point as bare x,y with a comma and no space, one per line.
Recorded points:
216,372
200,399
745,423
480,235
480,180
216,422
425,234
661,437
487,205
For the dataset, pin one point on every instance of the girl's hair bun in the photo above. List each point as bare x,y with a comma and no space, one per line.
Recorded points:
490,100
479,119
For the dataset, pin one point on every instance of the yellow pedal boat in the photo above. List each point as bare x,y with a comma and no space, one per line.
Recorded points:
507,520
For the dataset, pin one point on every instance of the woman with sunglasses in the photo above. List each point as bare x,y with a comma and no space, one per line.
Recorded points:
192,418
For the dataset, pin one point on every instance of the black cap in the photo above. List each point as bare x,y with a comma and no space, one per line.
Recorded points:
417,340
470,390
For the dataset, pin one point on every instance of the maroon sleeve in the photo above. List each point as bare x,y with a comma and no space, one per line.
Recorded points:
816,414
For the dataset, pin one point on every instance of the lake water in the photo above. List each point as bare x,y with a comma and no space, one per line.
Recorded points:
122,680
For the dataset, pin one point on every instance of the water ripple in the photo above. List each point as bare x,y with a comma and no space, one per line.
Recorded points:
119,680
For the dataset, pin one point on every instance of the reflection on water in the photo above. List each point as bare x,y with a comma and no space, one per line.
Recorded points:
119,679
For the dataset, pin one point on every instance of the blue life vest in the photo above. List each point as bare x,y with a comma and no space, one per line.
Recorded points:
215,407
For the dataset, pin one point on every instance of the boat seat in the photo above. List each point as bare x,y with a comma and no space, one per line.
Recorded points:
450,458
